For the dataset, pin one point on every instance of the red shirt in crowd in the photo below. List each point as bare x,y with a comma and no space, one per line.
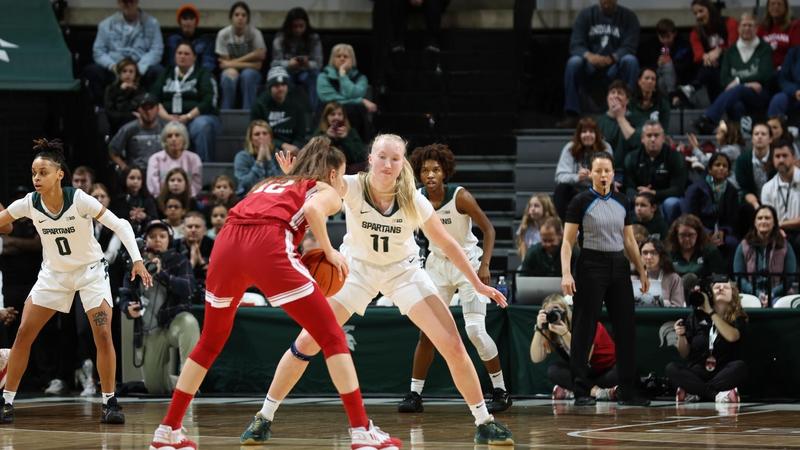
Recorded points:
780,40
697,46
604,354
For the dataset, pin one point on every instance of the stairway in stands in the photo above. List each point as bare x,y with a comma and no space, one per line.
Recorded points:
463,97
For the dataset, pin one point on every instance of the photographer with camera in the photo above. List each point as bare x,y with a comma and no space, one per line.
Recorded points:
710,340
552,335
162,310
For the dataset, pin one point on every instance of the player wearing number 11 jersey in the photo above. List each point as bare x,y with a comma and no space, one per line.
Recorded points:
73,262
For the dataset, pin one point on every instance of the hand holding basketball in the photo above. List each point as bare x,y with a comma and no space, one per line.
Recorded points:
328,271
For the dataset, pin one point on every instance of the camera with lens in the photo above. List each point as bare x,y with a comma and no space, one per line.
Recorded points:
698,297
554,316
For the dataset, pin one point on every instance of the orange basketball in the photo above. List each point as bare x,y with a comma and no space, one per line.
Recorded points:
324,272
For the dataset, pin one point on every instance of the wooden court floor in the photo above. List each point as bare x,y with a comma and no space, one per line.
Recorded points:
73,423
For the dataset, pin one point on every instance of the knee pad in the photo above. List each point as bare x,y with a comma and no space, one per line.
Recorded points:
475,325
297,354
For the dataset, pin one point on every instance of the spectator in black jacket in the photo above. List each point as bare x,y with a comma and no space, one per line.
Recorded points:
163,309
671,54
604,40
655,168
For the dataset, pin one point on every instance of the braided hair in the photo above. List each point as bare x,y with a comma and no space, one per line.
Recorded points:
53,151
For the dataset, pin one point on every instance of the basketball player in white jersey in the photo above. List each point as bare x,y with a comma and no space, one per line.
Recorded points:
73,262
456,208
383,209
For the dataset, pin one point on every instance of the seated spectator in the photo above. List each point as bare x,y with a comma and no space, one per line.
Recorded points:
693,256
604,40
196,247
657,169
764,250
780,132
787,99
285,117
135,204
745,74
540,207
713,34
175,141
335,124
647,214
188,95
715,201
218,215
242,51
729,142
174,211
779,30
782,192
176,184
341,82
753,169
163,308
128,33
223,191
108,240
666,287
138,140
556,338
431,9
256,161
669,52
298,49
615,124
710,340
543,259
188,18
572,171
83,178
121,97
648,103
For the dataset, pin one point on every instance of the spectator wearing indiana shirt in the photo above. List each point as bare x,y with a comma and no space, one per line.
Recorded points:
284,116
130,33
655,168
745,72
604,40
779,30
188,18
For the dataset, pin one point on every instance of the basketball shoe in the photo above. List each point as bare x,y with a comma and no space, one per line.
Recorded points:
682,397
501,401
411,403
112,413
257,432
7,413
165,438
731,396
559,393
4,352
493,433
372,438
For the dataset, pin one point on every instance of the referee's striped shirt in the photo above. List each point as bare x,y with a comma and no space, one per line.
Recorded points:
601,220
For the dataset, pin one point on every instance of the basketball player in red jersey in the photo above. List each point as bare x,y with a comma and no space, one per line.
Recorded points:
267,226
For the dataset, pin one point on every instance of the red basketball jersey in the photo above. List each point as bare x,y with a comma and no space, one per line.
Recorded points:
279,199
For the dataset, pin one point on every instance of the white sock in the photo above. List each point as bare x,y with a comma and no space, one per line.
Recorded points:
417,385
480,413
269,407
8,396
497,380
107,396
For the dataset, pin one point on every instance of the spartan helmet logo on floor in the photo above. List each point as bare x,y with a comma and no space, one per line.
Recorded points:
351,340
667,336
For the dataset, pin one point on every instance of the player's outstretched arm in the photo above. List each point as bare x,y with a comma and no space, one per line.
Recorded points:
466,204
436,233
125,234
5,221
325,203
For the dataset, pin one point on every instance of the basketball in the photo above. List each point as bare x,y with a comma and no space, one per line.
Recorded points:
324,272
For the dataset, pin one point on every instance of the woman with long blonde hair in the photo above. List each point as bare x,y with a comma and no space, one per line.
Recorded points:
383,209
540,208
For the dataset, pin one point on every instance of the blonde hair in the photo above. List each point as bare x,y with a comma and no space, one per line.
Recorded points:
346,48
405,188
180,128
558,300
248,142
548,210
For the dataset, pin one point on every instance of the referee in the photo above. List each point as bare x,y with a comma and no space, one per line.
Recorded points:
602,274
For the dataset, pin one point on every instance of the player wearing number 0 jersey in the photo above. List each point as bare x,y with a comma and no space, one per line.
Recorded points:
456,208
257,247
383,209
73,262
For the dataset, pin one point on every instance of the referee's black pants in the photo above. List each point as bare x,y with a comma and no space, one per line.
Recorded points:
599,277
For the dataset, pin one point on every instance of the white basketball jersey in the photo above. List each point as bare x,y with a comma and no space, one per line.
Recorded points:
458,225
379,237
68,241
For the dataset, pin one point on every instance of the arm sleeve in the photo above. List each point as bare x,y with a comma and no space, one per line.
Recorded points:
20,208
565,173
122,229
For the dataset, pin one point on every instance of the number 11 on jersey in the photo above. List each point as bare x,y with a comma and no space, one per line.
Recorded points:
375,243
